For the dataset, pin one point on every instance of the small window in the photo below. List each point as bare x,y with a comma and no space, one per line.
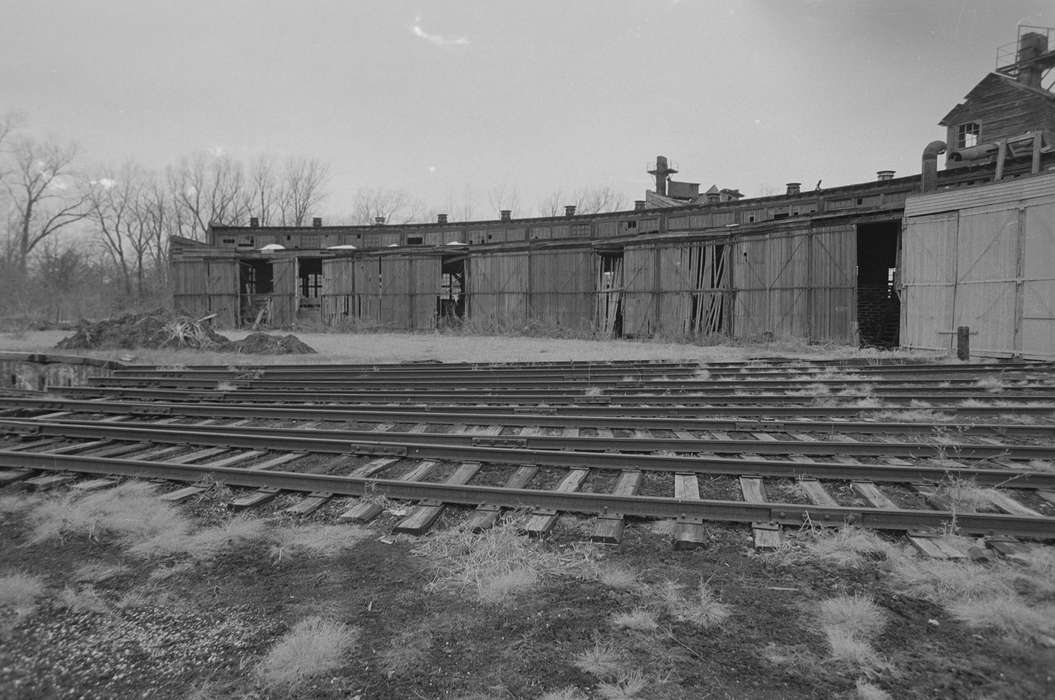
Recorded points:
967,135
415,240
860,201
228,241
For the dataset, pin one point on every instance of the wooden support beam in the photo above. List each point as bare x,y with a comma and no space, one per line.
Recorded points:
608,528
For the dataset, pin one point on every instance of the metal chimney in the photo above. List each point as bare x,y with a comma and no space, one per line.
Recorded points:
506,214
794,187
316,222
884,175
569,210
1031,45
662,172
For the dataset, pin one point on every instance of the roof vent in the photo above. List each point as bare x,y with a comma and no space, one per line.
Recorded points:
441,218
639,204
379,220
506,214
884,175
794,187
569,210
254,222
316,222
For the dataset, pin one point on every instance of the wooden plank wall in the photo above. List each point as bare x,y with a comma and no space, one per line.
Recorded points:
284,292
562,288
639,284
338,292
189,295
221,284
983,258
499,285
797,283
928,274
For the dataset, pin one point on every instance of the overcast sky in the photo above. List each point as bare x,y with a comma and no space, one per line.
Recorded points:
434,97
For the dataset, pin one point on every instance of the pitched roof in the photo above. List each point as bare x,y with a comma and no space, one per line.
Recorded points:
991,82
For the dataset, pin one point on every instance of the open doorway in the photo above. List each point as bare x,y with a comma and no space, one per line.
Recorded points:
450,306
309,290
256,283
608,317
878,306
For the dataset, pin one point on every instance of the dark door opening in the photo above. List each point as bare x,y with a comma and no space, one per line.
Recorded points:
878,305
256,283
309,281
609,314
450,306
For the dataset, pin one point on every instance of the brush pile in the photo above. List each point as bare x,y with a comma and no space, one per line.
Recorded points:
162,329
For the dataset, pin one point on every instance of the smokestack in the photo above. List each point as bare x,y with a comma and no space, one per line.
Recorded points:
569,210
1030,46
379,220
505,214
441,218
662,171
884,175
639,204
254,222
930,165
794,187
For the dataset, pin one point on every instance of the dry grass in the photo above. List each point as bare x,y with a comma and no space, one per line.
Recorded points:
864,690
405,653
850,623
601,661
495,565
19,591
568,693
965,496
204,544
637,619
312,647
699,607
617,577
83,599
629,686
96,572
846,546
315,539
1008,613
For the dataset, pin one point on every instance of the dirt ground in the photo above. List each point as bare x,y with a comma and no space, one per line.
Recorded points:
445,347
112,596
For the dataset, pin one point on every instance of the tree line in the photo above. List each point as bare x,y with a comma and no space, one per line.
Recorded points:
83,239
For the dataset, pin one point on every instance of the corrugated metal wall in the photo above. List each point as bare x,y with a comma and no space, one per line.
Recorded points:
982,257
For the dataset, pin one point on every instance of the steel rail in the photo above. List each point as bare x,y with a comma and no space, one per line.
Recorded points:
590,503
594,406
1009,478
508,418
558,395
618,386
958,450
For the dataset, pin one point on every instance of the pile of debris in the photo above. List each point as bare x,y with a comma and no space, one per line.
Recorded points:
264,344
162,329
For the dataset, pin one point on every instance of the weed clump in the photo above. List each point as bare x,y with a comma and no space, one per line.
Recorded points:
312,647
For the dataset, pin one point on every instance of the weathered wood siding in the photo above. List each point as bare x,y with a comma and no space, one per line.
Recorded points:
284,291
338,292
796,283
188,286
982,258
498,288
563,284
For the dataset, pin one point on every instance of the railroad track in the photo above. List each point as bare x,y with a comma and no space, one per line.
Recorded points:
771,443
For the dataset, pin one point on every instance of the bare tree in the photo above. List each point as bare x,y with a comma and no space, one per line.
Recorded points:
128,213
586,200
504,197
60,270
395,206
209,189
303,188
40,187
263,189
